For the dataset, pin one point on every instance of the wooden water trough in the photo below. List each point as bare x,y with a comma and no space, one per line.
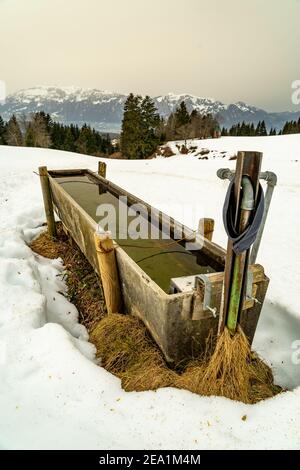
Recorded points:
177,297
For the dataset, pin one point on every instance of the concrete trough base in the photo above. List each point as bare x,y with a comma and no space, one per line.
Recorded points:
179,323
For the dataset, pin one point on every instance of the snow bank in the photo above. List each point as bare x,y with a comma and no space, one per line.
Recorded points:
53,395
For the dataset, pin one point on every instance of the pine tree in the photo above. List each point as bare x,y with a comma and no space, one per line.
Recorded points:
13,133
149,125
263,129
69,141
29,137
130,139
40,125
258,129
244,129
182,115
224,132
2,132
82,143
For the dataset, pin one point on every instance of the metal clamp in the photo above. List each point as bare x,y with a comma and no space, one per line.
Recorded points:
207,294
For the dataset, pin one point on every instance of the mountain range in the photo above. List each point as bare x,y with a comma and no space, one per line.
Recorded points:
104,109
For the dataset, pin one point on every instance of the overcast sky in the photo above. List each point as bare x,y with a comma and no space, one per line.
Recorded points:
230,50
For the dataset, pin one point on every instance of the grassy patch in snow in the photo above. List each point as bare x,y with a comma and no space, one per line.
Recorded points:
84,289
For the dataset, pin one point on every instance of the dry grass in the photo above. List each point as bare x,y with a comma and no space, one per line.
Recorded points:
127,351
228,367
226,372
232,370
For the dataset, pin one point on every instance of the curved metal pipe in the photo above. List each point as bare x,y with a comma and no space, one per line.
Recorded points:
247,203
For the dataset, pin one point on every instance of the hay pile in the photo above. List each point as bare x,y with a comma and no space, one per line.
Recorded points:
228,368
127,351
231,370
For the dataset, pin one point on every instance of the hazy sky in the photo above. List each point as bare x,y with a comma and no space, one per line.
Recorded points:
230,50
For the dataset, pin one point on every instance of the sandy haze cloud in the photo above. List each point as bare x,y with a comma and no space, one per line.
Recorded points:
233,50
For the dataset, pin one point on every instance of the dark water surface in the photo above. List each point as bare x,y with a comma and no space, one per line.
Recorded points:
161,259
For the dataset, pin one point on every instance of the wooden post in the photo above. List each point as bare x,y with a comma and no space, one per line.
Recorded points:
248,164
206,226
108,271
48,204
102,169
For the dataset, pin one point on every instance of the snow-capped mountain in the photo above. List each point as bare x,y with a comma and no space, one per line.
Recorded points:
104,109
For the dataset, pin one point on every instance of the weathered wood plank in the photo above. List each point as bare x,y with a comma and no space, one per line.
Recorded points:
102,169
207,226
47,197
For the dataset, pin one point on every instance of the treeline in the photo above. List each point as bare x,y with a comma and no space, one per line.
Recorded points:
291,127
39,130
143,129
184,125
244,129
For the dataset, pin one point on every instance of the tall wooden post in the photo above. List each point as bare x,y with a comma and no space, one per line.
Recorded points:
248,164
206,226
108,271
102,169
48,204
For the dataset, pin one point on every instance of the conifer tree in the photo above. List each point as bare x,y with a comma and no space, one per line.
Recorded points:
2,132
69,141
29,136
149,125
13,135
181,114
263,129
130,139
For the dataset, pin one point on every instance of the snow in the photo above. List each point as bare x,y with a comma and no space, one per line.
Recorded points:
203,105
61,94
52,392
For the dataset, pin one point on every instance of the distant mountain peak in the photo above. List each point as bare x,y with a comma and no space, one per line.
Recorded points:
104,109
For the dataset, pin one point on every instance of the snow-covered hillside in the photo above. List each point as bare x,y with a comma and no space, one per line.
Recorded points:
52,394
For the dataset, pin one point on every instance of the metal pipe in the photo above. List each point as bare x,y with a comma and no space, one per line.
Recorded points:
256,245
271,180
268,176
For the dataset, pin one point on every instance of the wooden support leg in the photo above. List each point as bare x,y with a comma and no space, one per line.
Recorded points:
48,204
102,169
206,226
109,272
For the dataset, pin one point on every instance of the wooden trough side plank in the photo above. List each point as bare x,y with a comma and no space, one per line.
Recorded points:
71,172
108,271
48,203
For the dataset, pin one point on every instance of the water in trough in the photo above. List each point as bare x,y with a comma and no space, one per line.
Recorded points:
161,258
